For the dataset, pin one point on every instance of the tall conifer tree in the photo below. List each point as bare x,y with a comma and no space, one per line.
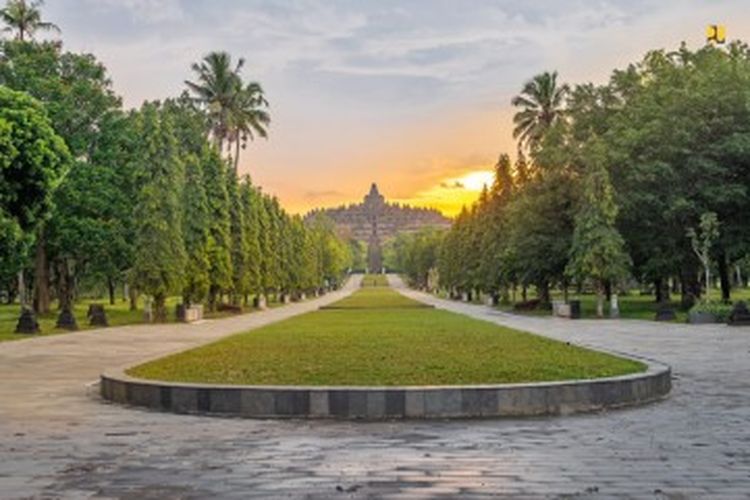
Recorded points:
159,264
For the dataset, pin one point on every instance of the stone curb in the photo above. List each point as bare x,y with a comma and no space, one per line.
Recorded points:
378,403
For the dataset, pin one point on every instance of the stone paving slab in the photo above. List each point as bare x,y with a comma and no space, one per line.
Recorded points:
693,445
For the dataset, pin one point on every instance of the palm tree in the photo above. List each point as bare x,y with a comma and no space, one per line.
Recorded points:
248,119
235,110
541,102
25,18
217,89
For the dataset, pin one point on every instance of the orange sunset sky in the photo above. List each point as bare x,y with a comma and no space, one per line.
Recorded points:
414,95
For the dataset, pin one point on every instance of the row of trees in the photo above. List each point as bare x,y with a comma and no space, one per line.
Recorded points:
93,194
616,177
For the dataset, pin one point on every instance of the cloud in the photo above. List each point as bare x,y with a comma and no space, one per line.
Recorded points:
322,194
146,11
413,94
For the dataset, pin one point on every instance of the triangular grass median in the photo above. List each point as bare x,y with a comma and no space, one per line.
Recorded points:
384,341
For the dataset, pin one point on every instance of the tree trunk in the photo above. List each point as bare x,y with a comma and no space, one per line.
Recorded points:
600,293
726,285
657,290
111,287
133,297
21,289
65,285
236,155
41,275
160,309
524,293
608,290
738,276
212,294
543,292
691,287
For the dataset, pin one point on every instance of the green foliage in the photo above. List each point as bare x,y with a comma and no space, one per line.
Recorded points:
32,158
251,208
719,310
333,255
416,254
618,173
74,88
159,266
238,245
219,238
234,109
148,197
23,18
702,243
541,102
597,251
195,232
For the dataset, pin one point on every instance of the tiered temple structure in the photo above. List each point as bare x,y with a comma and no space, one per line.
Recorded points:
374,221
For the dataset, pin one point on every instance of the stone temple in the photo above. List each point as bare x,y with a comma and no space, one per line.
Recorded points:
374,221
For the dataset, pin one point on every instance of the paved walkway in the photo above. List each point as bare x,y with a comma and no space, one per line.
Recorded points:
57,443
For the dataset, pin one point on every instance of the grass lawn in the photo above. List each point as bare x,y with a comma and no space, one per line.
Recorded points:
380,297
383,345
632,306
118,314
374,280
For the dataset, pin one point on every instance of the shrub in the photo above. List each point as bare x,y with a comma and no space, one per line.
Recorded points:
721,311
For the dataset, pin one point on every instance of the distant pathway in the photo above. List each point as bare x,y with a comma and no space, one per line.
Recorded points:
58,444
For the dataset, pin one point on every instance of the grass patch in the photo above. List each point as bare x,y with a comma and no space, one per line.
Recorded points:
118,314
374,280
376,298
384,345
632,305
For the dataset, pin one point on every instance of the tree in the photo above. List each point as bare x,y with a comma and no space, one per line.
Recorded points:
24,18
33,159
78,97
248,119
159,265
702,242
238,241
521,174
235,110
219,241
417,254
541,102
251,208
90,225
597,251
218,89
195,232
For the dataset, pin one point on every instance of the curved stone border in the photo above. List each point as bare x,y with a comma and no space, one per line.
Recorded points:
373,403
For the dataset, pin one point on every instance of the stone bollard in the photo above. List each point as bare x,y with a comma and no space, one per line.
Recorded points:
66,320
27,322
96,315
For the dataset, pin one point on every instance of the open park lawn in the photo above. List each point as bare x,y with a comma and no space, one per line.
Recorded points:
118,314
632,305
374,280
383,343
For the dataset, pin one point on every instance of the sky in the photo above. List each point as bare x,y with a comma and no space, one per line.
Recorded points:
411,94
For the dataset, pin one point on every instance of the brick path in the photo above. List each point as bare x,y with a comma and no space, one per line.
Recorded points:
57,443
